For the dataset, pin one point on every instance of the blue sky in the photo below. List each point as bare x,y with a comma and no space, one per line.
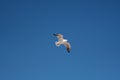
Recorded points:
27,44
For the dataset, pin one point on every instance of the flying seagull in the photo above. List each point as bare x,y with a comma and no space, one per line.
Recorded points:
63,41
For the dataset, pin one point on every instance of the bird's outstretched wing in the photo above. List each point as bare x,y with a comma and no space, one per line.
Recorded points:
68,46
59,36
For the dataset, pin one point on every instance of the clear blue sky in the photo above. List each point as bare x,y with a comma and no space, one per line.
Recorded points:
27,46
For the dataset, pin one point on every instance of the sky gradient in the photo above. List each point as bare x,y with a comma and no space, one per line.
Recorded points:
27,44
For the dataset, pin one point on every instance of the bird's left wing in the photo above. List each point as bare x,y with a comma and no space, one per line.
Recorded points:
68,46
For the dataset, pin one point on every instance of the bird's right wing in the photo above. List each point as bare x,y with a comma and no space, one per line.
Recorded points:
59,36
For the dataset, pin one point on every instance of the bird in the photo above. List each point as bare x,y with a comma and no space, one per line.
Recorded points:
63,41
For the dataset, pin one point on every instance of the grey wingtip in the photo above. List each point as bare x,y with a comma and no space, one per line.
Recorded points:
55,34
68,50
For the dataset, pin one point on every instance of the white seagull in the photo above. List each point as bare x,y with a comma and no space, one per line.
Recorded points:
63,41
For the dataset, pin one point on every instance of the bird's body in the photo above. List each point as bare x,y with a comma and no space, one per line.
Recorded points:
63,41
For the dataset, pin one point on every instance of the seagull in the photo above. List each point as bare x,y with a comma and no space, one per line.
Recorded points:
63,41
